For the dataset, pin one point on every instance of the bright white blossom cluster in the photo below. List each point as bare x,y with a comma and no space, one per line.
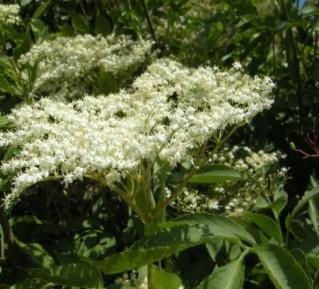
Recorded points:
233,198
68,67
168,114
9,14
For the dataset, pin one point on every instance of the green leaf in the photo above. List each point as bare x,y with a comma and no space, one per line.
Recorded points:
80,23
265,223
39,29
303,201
164,280
4,122
313,256
41,9
106,83
283,270
280,200
36,254
309,9
30,283
213,247
102,25
25,2
313,210
5,86
175,236
230,276
93,245
221,226
215,174
75,274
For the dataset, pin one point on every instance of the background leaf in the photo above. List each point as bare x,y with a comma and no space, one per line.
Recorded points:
165,280
230,276
175,236
215,174
282,268
76,274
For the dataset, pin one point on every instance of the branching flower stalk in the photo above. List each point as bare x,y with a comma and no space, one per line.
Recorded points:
127,140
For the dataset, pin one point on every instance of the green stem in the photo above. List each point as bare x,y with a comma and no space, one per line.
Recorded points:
160,207
8,237
149,21
200,160
147,232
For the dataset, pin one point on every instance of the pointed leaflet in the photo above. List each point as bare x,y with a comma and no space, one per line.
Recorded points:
282,268
230,276
265,223
215,174
73,274
176,235
303,201
221,226
165,280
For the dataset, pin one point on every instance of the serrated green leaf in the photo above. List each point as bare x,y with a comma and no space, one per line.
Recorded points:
175,236
41,9
215,174
76,274
165,280
36,254
39,29
222,226
283,270
265,223
213,247
313,210
280,201
302,202
230,276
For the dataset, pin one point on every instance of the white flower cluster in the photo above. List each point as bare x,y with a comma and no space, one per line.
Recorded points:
191,200
67,67
169,112
9,14
245,159
235,197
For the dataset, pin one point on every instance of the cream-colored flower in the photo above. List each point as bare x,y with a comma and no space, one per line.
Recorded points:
9,14
169,112
68,67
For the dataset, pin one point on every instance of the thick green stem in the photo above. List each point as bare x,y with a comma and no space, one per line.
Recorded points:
8,236
200,161
147,232
149,21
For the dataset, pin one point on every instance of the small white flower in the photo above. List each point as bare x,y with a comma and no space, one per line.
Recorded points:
167,114
9,14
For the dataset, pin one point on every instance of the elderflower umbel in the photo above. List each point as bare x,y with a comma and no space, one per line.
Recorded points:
67,67
9,14
169,112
